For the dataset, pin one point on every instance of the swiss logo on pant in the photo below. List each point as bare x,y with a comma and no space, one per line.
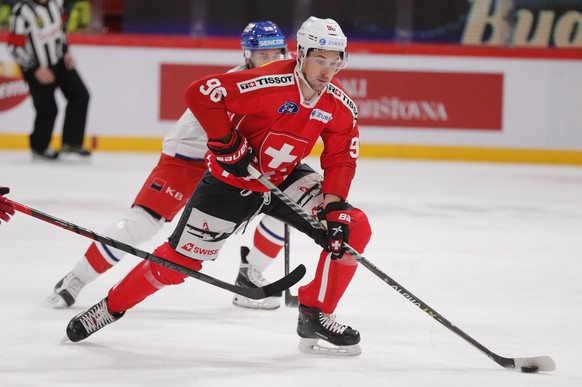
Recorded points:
192,248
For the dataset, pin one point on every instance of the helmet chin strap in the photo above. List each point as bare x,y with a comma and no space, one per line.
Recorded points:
299,70
300,75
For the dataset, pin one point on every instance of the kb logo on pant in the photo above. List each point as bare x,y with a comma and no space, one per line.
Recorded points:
175,194
160,184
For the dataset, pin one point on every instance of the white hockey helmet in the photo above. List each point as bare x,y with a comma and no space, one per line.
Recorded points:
321,34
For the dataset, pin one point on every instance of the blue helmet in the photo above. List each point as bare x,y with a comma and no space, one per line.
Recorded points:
263,35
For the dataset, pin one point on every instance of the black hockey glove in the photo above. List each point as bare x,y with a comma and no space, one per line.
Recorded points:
337,217
235,156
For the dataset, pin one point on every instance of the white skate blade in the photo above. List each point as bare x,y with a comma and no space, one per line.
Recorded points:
312,346
55,301
73,158
270,303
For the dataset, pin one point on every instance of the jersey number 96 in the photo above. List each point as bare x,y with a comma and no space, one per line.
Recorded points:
214,90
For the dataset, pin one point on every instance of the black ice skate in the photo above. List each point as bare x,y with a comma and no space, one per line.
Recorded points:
313,326
48,154
75,153
90,321
75,149
250,277
65,292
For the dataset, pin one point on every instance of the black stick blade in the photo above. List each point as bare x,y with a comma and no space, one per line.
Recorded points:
276,287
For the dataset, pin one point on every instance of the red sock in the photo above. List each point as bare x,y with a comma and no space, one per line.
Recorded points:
266,242
97,259
147,278
331,281
333,276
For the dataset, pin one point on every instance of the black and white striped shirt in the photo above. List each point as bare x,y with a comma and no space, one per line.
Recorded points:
37,37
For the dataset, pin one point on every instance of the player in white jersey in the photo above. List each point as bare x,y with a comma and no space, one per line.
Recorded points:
171,184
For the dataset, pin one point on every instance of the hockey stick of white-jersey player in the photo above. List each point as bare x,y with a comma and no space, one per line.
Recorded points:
253,293
524,364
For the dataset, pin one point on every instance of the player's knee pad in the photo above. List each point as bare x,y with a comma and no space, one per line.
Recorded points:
139,225
202,235
167,276
136,227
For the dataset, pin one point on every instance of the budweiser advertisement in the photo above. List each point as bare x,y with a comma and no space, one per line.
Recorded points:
13,88
409,99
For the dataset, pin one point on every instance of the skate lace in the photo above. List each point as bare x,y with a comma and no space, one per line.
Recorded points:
256,277
96,318
72,284
329,323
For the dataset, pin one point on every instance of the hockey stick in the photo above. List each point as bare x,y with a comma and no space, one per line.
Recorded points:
290,300
525,364
253,293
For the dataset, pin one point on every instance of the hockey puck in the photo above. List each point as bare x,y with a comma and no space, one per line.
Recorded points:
530,369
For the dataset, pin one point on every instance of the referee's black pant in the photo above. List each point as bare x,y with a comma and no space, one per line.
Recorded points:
43,97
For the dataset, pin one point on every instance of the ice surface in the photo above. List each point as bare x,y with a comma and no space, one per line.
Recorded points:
495,248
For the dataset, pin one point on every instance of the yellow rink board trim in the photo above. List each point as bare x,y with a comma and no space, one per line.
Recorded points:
398,151
121,144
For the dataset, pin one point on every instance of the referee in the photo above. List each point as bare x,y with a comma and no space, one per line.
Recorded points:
38,43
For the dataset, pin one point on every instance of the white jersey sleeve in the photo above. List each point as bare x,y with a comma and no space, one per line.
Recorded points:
186,139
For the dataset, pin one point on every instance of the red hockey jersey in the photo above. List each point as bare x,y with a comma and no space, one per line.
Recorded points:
267,108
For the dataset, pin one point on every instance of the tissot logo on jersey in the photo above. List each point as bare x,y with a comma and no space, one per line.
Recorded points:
266,81
339,94
320,115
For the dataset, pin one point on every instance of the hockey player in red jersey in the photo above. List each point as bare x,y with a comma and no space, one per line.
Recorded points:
172,182
270,116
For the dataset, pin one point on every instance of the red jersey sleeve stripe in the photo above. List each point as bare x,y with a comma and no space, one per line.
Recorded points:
17,40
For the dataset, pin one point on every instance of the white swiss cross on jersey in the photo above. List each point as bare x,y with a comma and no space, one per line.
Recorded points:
280,150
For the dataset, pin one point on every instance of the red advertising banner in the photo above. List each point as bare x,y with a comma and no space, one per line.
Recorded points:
174,79
412,99
448,100
13,87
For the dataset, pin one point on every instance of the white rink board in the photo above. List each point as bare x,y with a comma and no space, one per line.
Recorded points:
542,98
